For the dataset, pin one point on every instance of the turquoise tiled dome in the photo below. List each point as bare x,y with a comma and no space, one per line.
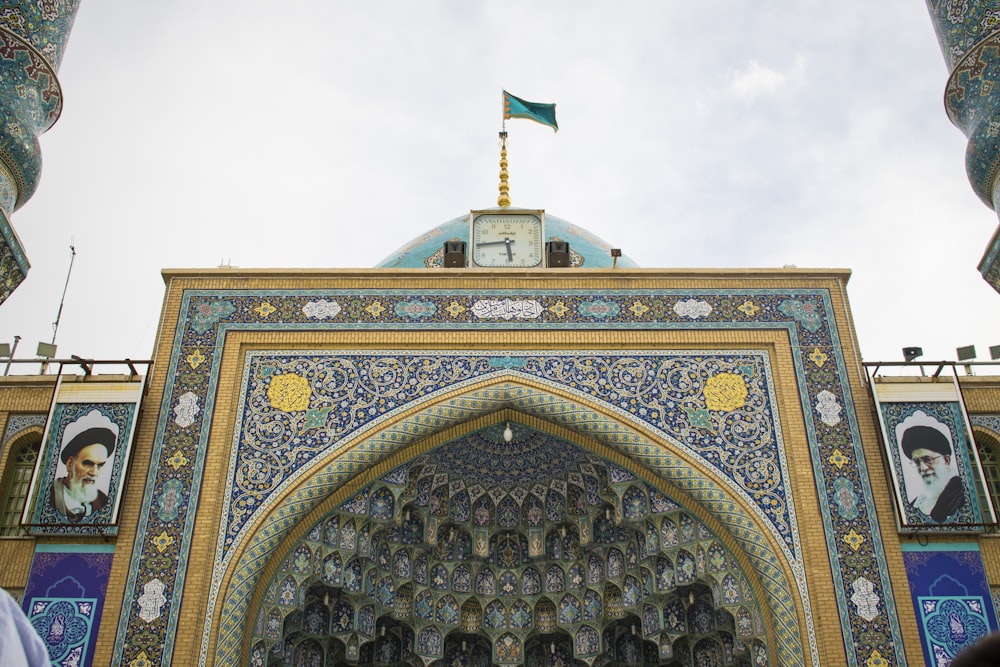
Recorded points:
425,251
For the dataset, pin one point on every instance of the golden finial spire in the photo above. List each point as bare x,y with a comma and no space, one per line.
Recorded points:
504,198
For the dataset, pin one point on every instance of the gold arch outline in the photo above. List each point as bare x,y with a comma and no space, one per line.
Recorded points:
425,425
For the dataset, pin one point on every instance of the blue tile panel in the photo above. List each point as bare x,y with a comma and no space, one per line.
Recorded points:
951,597
64,598
350,393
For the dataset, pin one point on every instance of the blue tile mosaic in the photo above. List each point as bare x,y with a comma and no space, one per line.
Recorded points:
951,597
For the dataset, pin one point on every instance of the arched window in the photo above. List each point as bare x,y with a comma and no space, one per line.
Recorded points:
988,449
16,481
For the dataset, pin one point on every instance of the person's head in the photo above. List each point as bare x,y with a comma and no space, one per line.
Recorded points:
84,456
984,653
929,451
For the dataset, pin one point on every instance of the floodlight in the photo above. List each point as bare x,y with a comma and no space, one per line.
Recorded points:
615,254
454,254
4,349
47,350
911,353
994,352
967,353
557,254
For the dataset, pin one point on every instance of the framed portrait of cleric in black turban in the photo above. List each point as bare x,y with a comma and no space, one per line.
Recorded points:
935,469
84,458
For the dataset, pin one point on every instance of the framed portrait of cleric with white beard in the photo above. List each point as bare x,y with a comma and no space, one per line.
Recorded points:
84,458
935,469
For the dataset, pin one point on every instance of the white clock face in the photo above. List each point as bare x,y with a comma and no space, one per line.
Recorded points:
507,240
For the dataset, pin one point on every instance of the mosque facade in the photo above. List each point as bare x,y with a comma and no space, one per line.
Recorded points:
506,444
579,465
328,473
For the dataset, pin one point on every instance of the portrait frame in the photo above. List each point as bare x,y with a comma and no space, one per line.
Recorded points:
83,461
931,456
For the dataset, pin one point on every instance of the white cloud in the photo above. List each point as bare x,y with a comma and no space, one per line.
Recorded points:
756,79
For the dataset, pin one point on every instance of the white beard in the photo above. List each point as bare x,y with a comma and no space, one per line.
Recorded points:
80,492
932,491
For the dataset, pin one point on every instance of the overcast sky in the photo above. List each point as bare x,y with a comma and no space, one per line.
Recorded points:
746,133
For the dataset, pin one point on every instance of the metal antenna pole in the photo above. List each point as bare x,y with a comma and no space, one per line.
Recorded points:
55,325
17,339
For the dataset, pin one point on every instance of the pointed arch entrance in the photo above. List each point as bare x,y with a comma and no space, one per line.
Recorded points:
527,551
556,411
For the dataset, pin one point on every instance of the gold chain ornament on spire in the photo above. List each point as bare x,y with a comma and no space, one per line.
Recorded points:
504,198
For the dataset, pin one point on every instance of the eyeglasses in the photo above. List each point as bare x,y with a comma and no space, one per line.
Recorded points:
927,461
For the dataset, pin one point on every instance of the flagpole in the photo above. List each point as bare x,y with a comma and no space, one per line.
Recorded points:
503,112
504,198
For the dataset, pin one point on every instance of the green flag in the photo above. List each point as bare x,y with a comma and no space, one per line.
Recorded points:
515,107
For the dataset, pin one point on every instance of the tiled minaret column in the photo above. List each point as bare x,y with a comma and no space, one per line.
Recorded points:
33,36
969,33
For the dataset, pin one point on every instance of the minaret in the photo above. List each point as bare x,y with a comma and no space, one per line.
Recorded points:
33,37
969,33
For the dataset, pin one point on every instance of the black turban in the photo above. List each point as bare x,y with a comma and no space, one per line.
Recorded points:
92,436
924,437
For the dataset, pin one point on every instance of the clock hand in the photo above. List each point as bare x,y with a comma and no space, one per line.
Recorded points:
510,255
506,240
